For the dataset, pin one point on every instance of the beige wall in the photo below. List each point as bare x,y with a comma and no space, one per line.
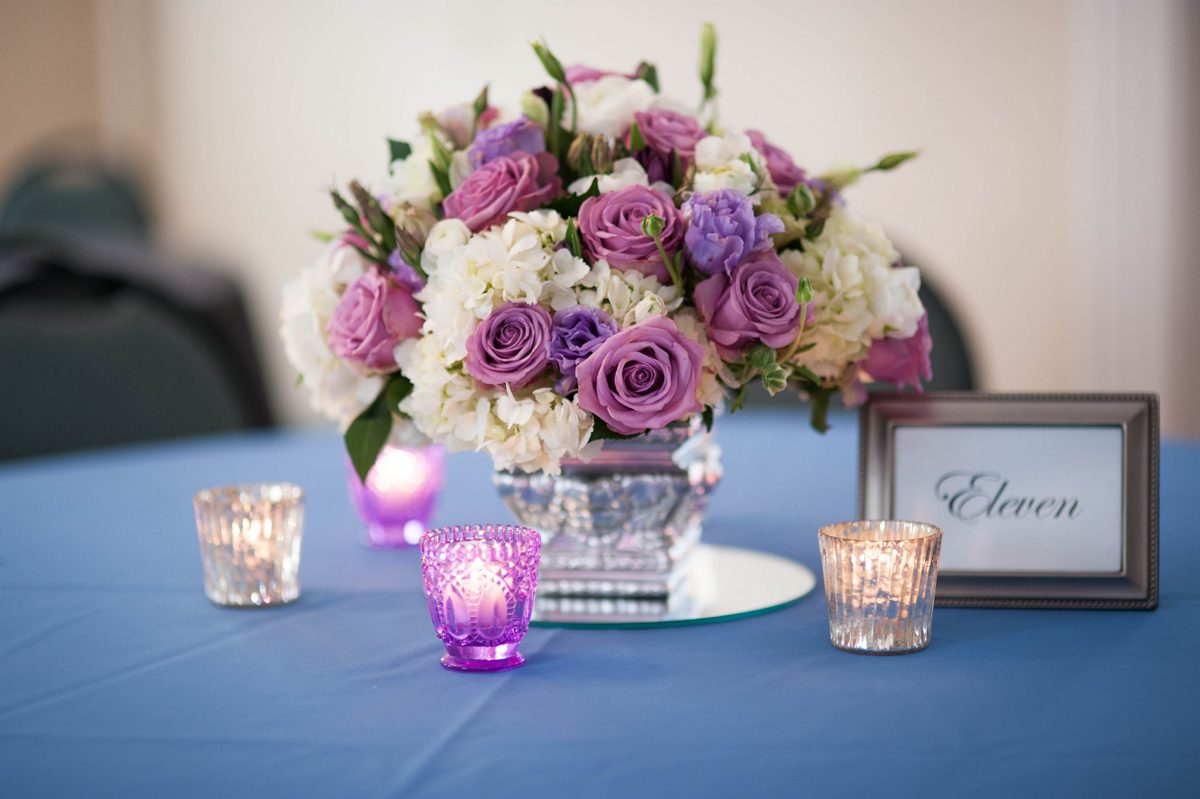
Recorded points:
246,111
48,92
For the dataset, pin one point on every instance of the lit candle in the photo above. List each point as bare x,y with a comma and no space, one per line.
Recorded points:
397,500
480,583
250,539
880,578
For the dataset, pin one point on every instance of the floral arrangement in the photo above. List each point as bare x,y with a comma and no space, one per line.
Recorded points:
605,263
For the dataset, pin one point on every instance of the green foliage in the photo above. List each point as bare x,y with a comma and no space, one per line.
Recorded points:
478,107
636,142
801,200
569,206
708,60
707,418
369,431
820,409
398,150
573,241
602,432
649,73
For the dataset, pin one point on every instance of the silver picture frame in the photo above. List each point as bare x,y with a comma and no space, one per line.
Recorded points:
1135,587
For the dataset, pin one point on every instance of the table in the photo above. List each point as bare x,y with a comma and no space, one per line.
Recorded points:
118,678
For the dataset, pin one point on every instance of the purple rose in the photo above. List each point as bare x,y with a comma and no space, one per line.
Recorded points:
374,314
666,133
902,361
519,136
757,303
511,346
723,231
517,182
611,227
643,378
784,171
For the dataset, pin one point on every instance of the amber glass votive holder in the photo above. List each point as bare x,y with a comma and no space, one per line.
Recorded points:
880,578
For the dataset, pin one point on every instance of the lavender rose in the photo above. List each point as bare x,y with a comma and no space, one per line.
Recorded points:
666,133
517,182
784,171
374,314
902,361
511,346
611,227
757,303
519,136
643,378
723,231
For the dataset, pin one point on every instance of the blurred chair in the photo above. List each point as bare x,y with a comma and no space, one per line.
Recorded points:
102,344
75,198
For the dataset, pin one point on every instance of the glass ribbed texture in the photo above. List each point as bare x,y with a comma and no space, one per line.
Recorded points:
880,578
250,543
480,582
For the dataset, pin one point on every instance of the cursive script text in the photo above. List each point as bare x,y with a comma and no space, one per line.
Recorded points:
971,496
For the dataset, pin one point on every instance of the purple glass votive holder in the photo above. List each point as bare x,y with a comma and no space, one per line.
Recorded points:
480,581
397,499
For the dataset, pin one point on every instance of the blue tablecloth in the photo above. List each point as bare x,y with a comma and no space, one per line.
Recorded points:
118,678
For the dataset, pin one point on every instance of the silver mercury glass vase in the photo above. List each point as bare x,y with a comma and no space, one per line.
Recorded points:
625,524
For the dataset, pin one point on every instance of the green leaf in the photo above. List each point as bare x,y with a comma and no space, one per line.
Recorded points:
707,418
636,142
572,239
801,200
380,222
814,228
550,63
602,432
649,73
820,410
367,434
442,178
805,372
398,150
804,293
323,236
762,357
739,399
569,206
348,211
893,160
708,59
441,155
398,388
554,133
478,107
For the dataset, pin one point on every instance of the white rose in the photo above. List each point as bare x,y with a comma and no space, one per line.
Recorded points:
721,163
411,180
607,105
443,237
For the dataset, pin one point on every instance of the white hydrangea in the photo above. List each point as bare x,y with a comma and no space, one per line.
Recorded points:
629,296
530,432
625,172
721,163
710,391
607,105
411,180
518,262
858,294
335,389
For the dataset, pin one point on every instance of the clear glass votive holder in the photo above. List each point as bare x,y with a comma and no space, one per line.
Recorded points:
880,578
396,501
480,582
250,543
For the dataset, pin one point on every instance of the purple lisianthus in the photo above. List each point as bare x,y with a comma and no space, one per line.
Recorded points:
784,171
374,314
519,136
611,227
666,133
757,303
643,378
404,273
581,73
902,361
576,334
511,346
517,182
723,230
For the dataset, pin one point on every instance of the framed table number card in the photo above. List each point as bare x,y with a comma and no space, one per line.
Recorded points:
1045,500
